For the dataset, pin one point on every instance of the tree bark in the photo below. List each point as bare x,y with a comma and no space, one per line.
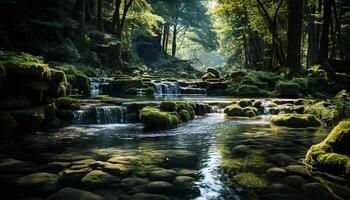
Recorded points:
99,15
295,15
312,36
324,48
173,52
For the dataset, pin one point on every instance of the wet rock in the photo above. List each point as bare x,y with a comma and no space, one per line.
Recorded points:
281,188
40,184
84,162
129,183
74,194
297,169
183,182
276,173
13,166
160,187
174,158
118,159
57,166
276,196
108,194
281,159
117,169
294,181
316,191
98,178
231,165
76,167
250,181
249,142
73,176
146,196
185,172
240,150
162,175
295,120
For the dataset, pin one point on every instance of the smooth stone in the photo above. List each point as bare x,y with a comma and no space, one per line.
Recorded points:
185,172
162,175
294,181
281,159
84,162
40,184
13,166
98,178
79,167
118,159
240,150
57,166
160,187
276,196
281,188
70,175
316,191
184,182
249,142
146,196
250,181
129,183
297,169
74,194
108,194
117,169
276,173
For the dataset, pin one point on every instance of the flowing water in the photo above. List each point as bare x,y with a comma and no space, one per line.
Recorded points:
237,159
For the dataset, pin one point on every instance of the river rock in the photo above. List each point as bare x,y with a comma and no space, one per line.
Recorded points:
13,166
57,166
297,169
250,181
180,158
183,182
294,181
316,191
146,196
117,169
74,194
129,183
118,159
281,188
281,159
98,178
40,184
276,173
185,172
240,150
161,187
162,175
73,176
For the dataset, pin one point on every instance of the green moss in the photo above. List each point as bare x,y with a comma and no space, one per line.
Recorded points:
288,89
295,120
120,86
213,71
154,119
237,76
150,91
237,111
67,103
342,104
208,76
250,181
253,80
7,124
245,103
168,106
102,97
190,107
251,91
184,115
327,115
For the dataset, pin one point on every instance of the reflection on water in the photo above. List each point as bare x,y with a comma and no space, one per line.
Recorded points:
237,159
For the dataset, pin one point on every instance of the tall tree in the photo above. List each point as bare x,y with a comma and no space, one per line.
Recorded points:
100,15
295,15
119,17
327,17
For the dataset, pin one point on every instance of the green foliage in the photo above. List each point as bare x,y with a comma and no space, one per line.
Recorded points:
327,115
295,120
342,104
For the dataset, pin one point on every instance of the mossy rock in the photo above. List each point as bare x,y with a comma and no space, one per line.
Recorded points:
250,181
213,71
7,124
251,91
207,76
150,91
120,86
295,120
237,111
131,91
67,103
184,115
245,103
237,76
41,184
332,154
154,119
288,89
168,106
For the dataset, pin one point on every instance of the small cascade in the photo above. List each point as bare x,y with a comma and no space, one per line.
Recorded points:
95,85
193,90
216,109
166,87
102,115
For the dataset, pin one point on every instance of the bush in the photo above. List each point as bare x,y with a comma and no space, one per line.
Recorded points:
154,119
288,89
237,76
295,120
251,91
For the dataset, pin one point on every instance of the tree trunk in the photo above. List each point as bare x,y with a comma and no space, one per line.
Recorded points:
165,37
327,14
99,15
295,15
173,52
312,37
81,7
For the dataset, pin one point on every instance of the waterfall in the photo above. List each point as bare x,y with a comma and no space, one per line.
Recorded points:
166,87
101,115
95,86
216,109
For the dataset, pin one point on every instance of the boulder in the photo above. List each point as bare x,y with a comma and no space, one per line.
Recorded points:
208,76
40,184
250,181
160,187
251,91
120,86
237,111
74,194
146,196
295,120
213,71
162,175
288,89
98,178
154,119
184,183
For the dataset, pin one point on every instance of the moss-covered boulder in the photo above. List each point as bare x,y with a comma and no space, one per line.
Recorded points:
213,71
24,76
217,88
154,119
251,91
150,91
332,154
288,89
238,111
67,103
41,184
7,124
168,106
295,120
237,76
207,76
120,86
245,103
